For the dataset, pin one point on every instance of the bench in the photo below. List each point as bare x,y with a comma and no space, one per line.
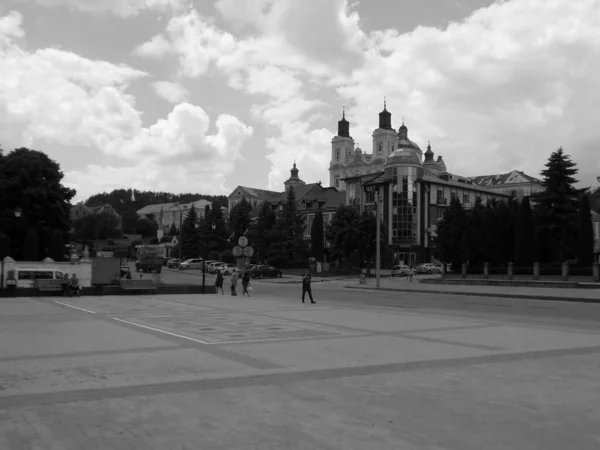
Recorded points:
49,285
138,285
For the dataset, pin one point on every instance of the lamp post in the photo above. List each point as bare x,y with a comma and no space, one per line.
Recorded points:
374,190
17,212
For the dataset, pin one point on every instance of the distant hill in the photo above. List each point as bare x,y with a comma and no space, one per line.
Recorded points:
126,202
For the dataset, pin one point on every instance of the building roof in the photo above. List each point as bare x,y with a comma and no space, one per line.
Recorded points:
253,192
514,177
300,190
154,209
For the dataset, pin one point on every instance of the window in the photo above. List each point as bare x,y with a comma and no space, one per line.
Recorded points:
452,195
477,198
337,154
357,173
379,148
370,197
43,275
25,275
337,182
466,198
404,205
302,205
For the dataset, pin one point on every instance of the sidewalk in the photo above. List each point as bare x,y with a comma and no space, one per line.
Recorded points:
531,293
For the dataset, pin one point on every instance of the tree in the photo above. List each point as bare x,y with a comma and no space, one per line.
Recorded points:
451,234
56,246
291,224
30,180
172,230
190,240
525,248
5,245
97,226
317,237
585,247
31,246
239,218
556,207
146,227
262,235
341,232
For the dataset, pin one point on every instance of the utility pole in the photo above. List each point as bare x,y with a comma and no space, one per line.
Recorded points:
180,235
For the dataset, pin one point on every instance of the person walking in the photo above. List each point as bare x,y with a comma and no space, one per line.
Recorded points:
234,280
245,284
410,274
306,280
219,283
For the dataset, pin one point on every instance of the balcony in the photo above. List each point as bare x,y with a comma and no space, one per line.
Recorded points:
442,201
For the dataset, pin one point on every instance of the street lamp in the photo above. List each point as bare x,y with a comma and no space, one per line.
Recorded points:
213,226
17,212
374,190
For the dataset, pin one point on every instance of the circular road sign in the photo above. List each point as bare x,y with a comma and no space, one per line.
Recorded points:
237,251
248,252
243,241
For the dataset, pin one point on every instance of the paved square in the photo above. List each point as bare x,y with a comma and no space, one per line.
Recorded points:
213,372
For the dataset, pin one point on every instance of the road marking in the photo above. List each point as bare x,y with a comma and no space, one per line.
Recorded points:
75,307
183,304
161,331
288,339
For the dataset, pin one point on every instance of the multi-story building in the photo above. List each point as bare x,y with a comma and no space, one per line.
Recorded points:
413,188
516,184
169,214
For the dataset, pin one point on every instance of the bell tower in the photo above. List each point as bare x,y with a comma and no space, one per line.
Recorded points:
384,137
342,152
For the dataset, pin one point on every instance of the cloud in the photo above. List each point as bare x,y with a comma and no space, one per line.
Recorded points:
170,91
120,8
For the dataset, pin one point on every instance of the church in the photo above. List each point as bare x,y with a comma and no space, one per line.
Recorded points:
408,188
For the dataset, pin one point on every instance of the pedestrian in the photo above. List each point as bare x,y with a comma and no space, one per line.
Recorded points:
306,286
219,283
409,274
234,280
246,283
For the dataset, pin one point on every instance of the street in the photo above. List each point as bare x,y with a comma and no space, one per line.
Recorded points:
358,370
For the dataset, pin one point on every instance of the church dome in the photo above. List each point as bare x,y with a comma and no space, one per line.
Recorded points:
405,143
403,156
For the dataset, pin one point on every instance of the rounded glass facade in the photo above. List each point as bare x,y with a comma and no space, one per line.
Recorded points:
404,204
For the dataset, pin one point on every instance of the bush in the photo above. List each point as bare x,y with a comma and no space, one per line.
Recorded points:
214,255
4,246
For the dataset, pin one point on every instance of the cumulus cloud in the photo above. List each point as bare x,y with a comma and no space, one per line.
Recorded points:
69,100
170,91
121,8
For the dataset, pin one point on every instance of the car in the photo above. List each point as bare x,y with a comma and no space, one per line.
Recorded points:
208,262
213,267
400,270
173,263
227,269
195,263
265,272
427,269
448,267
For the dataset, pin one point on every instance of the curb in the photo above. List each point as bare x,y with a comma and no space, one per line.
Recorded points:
485,294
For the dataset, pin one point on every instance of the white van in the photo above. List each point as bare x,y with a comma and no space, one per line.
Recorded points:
25,278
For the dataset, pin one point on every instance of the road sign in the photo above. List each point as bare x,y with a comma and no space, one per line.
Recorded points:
243,241
237,251
248,252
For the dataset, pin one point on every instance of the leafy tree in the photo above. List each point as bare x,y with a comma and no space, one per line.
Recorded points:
239,218
31,246
585,247
5,245
190,239
451,237
317,237
56,246
227,256
291,224
30,180
475,233
146,227
341,232
556,207
96,226
525,247
213,232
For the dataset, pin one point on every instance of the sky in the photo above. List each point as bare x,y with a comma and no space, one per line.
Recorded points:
205,95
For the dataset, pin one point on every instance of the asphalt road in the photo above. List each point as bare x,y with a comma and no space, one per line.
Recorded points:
497,309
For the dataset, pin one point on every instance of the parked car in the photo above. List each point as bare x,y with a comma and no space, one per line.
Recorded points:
208,262
213,268
173,263
427,269
227,269
265,272
448,267
195,263
400,270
